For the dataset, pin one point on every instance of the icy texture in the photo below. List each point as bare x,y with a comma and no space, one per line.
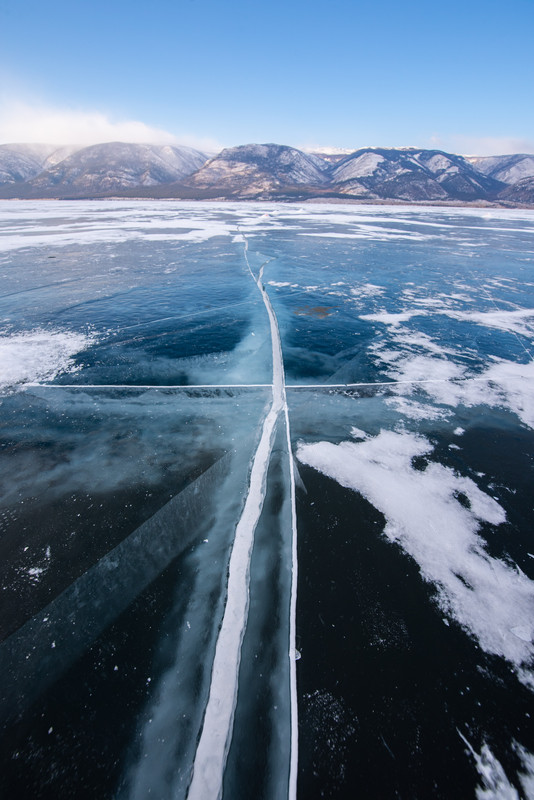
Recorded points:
425,516
212,749
410,322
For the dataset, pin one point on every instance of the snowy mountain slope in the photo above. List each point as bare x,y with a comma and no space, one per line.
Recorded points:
269,171
258,168
112,166
520,192
411,174
59,154
21,162
509,169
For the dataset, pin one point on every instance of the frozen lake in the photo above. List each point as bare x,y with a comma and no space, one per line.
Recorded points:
266,503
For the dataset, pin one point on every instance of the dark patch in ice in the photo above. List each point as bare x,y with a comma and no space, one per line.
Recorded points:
320,312
420,463
462,499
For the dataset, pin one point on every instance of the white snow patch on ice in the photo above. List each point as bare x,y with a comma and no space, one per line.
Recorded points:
519,321
414,410
357,433
417,368
503,384
526,776
367,290
495,785
369,232
417,340
513,388
38,355
434,515
391,318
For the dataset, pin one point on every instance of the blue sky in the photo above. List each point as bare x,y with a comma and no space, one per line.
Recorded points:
457,76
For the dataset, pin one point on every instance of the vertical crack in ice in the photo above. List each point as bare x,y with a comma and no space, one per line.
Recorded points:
210,758
292,793
214,743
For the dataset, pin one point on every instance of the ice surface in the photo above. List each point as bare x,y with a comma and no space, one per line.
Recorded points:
423,369
505,384
425,516
437,369
432,318
103,441
30,659
213,745
210,758
172,719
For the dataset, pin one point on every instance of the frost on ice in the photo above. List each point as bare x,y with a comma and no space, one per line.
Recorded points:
38,355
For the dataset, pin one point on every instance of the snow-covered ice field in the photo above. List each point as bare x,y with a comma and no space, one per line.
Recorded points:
266,501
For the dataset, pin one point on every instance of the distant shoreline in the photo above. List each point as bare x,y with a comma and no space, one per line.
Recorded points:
289,201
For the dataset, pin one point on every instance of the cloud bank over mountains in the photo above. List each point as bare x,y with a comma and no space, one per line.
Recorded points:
23,120
27,122
483,145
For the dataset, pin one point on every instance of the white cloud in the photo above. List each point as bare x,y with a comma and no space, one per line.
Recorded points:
31,123
482,145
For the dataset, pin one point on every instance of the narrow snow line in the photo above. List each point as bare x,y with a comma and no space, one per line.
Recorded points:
212,749
293,764
388,383
279,393
280,400
146,386
278,363
186,387
215,738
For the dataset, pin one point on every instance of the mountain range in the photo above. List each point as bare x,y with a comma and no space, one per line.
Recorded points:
264,171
